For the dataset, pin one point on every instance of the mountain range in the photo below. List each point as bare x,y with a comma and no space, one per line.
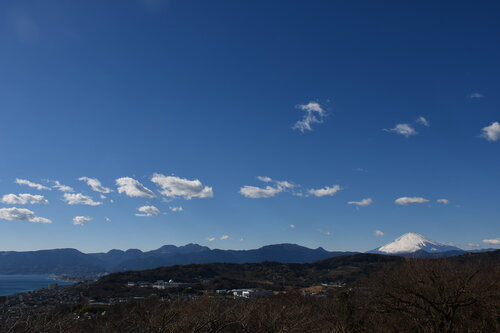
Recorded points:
75,263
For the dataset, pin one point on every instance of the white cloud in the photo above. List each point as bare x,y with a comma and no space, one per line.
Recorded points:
403,129
133,188
475,95
292,226
443,201
265,179
410,200
492,132
324,232
147,211
327,190
473,245
81,220
224,237
423,121
494,241
364,202
378,233
285,184
80,199
61,187
242,239
176,209
95,185
314,114
31,184
23,199
255,192
210,239
107,219
174,187
21,214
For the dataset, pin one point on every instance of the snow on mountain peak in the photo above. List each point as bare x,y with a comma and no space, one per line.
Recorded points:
413,242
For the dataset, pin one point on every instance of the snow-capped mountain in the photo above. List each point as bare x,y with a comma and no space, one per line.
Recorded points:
412,242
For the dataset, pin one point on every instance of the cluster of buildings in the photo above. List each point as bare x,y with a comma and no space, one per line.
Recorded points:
244,293
160,284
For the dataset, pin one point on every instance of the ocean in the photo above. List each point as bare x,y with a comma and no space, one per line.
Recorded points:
12,284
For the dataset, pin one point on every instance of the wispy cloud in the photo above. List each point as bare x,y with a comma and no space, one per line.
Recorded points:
410,200
80,199
423,121
147,211
378,233
492,132
133,188
210,239
95,185
292,226
31,184
324,232
23,199
176,209
81,220
63,188
325,191
362,203
443,201
494,241
402,129
176,187
314,114
475,95
224,237
21,214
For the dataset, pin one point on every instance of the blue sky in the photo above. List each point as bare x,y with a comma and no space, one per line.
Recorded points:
196,99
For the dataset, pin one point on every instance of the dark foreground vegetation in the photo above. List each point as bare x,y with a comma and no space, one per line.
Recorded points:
460,294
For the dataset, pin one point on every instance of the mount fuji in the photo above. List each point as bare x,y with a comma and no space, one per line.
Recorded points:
414,244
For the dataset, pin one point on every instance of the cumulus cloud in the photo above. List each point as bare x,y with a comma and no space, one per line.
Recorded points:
21,214
31,184
410,200
174,187
80,199
176,209
494,241
403,129
133,188
23,199
314,114
423,121
378,233
95,185
81,220
224,237
210,239
147,211
475,95
327,190
362,203
492,132
255,192
443,201
61,187
265,179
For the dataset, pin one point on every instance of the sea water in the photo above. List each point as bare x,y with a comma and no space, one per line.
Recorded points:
13,284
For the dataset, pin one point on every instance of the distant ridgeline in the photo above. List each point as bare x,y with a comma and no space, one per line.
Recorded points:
75,263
